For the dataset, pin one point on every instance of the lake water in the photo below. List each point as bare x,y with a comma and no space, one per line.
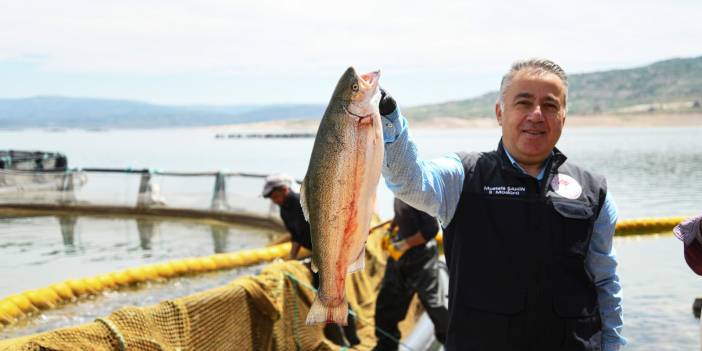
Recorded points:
39,251
651,172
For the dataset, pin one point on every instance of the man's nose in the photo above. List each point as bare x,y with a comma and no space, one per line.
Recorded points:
535,115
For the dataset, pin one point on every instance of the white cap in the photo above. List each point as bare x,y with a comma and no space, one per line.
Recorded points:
274,181
688,229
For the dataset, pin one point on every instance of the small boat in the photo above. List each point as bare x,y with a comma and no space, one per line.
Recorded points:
22,171
32,161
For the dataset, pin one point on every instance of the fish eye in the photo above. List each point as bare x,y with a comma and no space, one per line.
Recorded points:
354,87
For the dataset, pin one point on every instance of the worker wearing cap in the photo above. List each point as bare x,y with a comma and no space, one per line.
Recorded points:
690,232
277,188
413,267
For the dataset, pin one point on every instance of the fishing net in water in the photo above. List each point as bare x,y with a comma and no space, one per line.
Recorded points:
26,186
24,174
264,312
109,191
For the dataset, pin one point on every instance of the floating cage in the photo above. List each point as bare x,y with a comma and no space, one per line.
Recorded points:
229,196
262,312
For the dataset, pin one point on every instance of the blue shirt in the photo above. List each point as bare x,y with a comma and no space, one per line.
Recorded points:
434,186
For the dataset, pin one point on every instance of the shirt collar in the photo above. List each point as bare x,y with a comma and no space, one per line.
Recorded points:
288,200
516,165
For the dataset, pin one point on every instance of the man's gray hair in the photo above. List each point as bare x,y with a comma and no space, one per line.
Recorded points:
534,66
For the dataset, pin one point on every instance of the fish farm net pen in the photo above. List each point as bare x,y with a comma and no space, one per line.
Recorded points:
388,335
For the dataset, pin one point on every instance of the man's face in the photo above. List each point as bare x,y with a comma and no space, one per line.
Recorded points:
278,195
533,116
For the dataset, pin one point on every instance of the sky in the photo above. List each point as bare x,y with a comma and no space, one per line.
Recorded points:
286,51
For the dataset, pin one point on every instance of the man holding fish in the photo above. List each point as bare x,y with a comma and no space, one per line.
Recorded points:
528,235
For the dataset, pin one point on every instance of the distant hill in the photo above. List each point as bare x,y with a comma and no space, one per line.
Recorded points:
667,86
63,112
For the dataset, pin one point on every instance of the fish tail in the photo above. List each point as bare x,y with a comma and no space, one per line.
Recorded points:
321,313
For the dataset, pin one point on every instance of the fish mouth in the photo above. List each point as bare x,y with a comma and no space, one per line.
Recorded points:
369,86
370,79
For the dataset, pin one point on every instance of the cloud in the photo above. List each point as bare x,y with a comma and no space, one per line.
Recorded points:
166,37
270,50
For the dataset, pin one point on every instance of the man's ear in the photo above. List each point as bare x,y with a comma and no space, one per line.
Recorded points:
498,113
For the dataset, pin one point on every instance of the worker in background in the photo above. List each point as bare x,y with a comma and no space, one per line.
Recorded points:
411,268
690,232
278,189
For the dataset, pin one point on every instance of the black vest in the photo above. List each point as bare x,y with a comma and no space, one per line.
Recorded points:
517,246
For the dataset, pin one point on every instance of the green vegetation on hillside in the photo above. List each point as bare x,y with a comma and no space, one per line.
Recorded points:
667,86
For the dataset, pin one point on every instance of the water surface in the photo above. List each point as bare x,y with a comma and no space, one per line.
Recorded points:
651,172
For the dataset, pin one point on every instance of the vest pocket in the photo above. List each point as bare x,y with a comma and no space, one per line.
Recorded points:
573,210
579,304
583,334
574,293
572,226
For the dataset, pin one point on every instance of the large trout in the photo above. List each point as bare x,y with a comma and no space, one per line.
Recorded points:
338,192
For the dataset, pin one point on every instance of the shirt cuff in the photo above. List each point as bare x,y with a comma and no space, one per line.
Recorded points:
393,124
428,235
611,347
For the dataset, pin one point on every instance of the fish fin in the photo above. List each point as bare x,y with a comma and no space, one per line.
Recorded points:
359,263
313,266
303,201
320,313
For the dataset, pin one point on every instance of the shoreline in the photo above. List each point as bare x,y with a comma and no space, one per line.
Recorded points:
608,121
309,126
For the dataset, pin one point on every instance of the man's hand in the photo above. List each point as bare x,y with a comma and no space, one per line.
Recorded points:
387,104
398,248
294,250
387,240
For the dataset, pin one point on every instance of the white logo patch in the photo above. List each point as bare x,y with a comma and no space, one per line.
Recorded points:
566,186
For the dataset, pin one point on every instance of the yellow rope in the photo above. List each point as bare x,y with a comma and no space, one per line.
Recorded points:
647,225
121,343
27,303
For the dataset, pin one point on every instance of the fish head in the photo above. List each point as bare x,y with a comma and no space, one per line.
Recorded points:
360,94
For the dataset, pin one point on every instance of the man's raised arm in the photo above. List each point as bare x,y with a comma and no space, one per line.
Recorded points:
431,186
